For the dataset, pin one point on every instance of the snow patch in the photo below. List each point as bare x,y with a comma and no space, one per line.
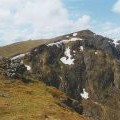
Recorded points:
18,57
67,36
52,44
68,59
96,103
75,39
74,51
96,53
28,67
21,62
94,34
74,34
81,48
64,42
85,94
116,43
35,50
60,77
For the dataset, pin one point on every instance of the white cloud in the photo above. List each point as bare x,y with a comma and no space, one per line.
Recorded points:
108,29
25,19
82,23
32,19
116,7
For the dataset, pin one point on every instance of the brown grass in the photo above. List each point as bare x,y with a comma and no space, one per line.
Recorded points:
34,101
20,47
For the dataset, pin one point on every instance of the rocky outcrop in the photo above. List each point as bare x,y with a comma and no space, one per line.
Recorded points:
15,69
83,65
11,68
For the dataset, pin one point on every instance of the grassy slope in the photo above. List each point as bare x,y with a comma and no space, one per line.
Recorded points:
25,46
20,47
34,101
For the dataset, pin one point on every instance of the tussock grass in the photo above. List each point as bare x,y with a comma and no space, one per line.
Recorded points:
33,101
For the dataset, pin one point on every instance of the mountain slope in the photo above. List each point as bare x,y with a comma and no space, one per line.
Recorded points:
20,47
34,101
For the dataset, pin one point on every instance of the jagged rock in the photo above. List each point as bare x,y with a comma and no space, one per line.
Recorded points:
96,51
118,41
85,62
11,68
73,104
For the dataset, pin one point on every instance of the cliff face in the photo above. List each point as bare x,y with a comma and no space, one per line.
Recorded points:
86,67
83,65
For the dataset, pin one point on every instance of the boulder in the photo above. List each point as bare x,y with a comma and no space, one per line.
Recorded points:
11,68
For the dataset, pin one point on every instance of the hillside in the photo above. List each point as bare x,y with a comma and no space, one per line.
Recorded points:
34,101
20,47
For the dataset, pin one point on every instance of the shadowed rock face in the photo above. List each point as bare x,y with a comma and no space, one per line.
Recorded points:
86,67
95,68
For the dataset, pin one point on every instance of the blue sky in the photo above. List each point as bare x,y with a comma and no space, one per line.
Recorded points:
32,19
100,10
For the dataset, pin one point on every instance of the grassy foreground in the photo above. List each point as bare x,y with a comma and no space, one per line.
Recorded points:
34,101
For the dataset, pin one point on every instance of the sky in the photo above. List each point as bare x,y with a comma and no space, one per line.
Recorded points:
37,19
